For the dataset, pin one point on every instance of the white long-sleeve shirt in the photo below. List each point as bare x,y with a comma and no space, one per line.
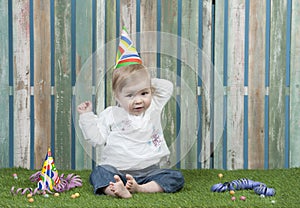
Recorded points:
130,142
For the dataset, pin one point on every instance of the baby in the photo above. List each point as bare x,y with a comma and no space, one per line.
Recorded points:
131,132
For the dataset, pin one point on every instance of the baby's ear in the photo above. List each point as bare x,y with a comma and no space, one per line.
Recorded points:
117,101
152,90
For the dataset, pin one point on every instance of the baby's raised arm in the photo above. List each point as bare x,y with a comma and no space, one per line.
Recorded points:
85,107
88,123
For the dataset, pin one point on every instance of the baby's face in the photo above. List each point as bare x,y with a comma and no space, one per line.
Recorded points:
136,96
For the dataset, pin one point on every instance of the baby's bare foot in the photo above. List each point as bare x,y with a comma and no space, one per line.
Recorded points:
132,186
119,189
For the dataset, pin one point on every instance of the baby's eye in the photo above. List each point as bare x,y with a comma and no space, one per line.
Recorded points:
129,95
145,93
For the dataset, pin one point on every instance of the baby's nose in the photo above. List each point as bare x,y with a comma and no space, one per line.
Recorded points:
138,100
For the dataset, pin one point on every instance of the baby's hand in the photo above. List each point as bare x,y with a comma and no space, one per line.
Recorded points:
85,107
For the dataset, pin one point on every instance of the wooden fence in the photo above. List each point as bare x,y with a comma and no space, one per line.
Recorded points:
234,64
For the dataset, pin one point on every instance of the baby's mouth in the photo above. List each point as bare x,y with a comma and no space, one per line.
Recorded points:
138,109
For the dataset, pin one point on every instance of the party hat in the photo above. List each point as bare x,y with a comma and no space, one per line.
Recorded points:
49,174
126,54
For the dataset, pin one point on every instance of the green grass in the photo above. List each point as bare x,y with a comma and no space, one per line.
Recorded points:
196,192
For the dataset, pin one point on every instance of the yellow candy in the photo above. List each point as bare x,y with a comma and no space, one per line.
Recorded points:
29,195
31,200
231,192
220,175
73,196
56,194
77,194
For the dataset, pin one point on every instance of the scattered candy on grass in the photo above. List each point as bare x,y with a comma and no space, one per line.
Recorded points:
273,201
220,175
46,195
29,195
262,196
77,194
233,198
243,198
15,176
231,192
73,196
31,200
56,194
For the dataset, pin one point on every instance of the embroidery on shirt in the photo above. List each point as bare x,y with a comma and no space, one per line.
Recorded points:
156,140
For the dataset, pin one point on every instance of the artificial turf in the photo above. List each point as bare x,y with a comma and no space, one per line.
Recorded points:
196,192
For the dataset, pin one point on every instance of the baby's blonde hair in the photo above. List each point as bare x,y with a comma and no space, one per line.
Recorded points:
126,74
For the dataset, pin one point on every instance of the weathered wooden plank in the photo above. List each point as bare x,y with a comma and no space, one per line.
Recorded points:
100,57
42,108
295,87
128,15
110,49
277,84
256,84
148,46
84,52
207,84
189,109
236,34
63,84
4,85
218,85
169,12
21,31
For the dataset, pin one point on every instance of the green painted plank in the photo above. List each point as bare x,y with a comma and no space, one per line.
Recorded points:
189,108
295,87
42,94
63,84
277,84
235,114
168,71
256,84
4,86
84,52
21,44
218,85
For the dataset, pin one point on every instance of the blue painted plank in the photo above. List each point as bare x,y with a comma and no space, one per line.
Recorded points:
246,73
32,117
287,84
199,83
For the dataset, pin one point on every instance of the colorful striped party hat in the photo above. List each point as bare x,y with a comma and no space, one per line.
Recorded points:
49,174
126,54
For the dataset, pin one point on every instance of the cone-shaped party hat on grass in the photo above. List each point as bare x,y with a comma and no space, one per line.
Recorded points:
126,54
49,174
48,179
